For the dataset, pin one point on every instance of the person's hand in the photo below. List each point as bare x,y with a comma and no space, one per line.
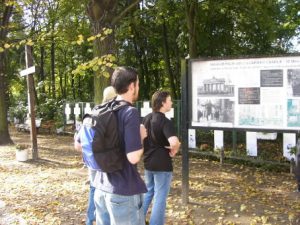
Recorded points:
172,152
173,149
143,132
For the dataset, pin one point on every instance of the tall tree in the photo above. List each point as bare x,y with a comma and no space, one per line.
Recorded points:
5,15
106,14
191,18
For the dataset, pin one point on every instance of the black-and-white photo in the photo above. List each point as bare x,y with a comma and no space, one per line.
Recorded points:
216,87
250,95
271,78
293,76
215,110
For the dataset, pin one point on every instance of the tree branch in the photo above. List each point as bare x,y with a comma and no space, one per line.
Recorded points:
124,12
4,21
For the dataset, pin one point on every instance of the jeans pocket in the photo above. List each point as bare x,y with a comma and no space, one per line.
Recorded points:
139,201
119,200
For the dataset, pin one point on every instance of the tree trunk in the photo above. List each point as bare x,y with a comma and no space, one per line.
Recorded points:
168,68
144,77
79,88
42,71
100,82
61,86
4,134
190,9
103,14
177,71
73,86
4,21
53,69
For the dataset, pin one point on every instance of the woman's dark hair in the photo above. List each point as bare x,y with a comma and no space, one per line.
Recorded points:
122,77
158,98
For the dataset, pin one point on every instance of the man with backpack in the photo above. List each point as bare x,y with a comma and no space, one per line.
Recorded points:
119,194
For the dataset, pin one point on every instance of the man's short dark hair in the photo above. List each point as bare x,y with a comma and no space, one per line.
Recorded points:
158,98
122,77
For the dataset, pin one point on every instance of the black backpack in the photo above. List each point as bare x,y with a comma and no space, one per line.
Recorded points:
106,145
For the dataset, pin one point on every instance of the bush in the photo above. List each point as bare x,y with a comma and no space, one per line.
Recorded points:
18,111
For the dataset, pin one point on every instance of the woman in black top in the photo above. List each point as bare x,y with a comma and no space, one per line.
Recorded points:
160,146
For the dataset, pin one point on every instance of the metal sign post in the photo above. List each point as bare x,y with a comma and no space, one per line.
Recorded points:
184,133
31,99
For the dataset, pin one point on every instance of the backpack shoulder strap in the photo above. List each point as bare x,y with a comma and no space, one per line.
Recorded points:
117,105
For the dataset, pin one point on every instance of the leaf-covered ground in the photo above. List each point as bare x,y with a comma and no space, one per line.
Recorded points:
53,190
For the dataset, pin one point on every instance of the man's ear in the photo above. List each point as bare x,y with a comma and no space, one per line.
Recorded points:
131,86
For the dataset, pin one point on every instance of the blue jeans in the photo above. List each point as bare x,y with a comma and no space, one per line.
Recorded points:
113,209
90,214
158,185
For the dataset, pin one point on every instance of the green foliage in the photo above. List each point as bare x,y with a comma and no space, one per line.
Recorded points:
96,64
204,137
59,115
21,147
153,37
19,111
293,150
270,150
47,110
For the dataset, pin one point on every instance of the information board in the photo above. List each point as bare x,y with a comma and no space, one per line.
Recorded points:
252,93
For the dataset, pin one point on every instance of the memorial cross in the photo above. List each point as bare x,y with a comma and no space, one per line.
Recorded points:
77,111
28,72
67,111
87,108
146,109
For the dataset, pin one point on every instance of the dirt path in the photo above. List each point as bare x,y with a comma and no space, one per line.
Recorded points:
52,190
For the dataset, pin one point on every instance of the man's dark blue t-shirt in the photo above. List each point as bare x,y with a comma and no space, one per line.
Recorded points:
128,180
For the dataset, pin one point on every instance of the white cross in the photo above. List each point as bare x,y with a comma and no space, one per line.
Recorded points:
146,109
27,71
77,110
87,108
67,111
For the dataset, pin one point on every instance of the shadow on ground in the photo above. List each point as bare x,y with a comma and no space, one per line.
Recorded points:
53,190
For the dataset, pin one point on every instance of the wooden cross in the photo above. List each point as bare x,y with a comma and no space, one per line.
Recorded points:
31,100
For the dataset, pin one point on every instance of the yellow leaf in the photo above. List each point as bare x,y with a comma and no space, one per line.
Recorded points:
107,31
29,42
100,62
242,207
6,45
91,38
291,217
1,49
109,64
106,74
95,68
264,219
80,39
